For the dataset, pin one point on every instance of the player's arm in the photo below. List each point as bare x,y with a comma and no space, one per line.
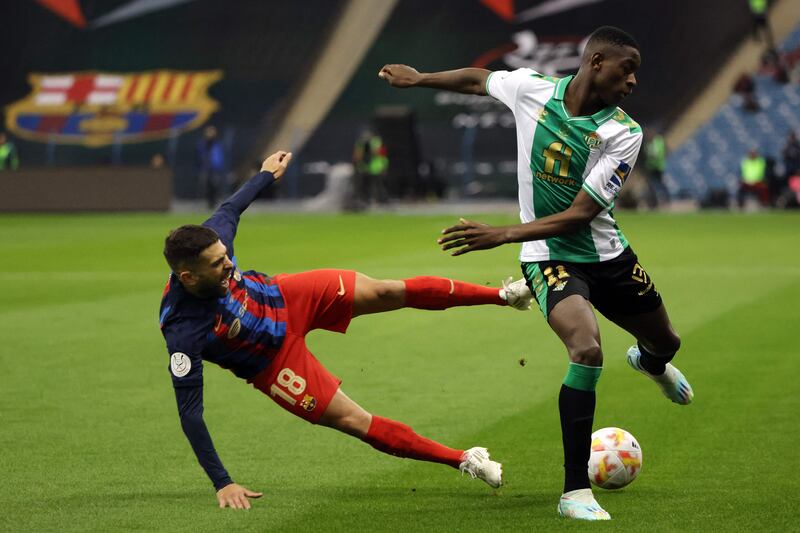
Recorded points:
226,219
465,80
190,409
468,236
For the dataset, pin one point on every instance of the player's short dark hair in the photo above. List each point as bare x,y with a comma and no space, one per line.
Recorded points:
611,35
183,245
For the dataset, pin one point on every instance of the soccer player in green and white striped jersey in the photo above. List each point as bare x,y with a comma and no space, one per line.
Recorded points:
575,149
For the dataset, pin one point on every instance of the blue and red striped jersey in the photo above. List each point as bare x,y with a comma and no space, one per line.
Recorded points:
241,331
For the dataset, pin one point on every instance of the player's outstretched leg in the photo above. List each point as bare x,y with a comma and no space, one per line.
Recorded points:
672,382
434,293
431,292
398,439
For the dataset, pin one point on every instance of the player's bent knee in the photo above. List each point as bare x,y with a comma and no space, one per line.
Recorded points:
589,355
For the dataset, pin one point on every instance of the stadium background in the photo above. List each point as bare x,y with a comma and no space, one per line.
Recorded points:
87,420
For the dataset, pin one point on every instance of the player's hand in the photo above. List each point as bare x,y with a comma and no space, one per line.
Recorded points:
467,236
277,163
399,75
235,496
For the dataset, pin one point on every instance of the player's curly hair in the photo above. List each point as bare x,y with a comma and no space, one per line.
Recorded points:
611,35
183,245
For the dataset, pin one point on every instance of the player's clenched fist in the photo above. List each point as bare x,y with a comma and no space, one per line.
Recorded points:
399,75
235,496
277,163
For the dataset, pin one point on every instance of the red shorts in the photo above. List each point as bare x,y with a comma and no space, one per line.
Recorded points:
295,379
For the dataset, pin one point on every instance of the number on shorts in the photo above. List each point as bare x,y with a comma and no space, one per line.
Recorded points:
552,279
290,382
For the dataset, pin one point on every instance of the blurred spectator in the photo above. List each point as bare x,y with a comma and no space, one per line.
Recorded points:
754,169
157,161
791,195
371,163
791,156
746,88
761,27
9,158
654,163
774,66
211,158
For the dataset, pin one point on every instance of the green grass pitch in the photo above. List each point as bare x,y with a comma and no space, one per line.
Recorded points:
89,432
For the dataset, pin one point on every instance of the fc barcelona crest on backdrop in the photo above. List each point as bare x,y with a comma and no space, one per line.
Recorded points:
101,108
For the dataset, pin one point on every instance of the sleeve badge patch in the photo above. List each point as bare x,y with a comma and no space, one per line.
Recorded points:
180,364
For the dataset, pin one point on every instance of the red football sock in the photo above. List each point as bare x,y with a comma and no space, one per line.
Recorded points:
396,438
431,292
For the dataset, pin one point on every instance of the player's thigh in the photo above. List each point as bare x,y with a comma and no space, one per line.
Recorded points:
318,299
297,381
377,295
562,292
573,320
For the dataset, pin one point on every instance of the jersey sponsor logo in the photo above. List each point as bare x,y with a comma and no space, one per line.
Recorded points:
180,364
556,180
236,327
617,179
102,108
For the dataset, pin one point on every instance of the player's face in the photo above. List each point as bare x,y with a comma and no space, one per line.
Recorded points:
213,271
615,76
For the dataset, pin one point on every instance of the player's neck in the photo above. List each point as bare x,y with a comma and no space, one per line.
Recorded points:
580,99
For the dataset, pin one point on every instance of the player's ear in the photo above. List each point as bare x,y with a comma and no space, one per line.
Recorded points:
187,278
597,60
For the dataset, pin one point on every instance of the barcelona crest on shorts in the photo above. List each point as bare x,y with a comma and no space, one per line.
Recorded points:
308,403
102,108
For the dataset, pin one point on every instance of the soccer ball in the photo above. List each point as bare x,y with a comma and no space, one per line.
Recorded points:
616,458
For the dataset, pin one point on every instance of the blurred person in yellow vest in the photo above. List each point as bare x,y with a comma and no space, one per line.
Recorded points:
371,162
9,158
754,170
654,162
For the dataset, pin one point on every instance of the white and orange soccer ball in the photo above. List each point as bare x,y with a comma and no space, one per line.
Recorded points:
616,458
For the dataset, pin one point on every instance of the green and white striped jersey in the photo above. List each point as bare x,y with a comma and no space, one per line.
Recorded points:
558,155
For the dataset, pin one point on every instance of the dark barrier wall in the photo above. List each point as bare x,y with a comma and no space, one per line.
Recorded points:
260,48
85,189
683,43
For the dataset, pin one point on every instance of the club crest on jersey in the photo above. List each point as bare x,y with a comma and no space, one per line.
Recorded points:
592,140
102,108
180,364
308,403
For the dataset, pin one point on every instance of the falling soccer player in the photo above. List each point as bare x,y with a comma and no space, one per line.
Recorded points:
255,325
575,150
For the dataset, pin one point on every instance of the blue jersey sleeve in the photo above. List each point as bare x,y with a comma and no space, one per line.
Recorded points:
190,409
185,336
225,220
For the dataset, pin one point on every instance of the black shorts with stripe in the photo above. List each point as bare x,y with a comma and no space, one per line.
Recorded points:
616,287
